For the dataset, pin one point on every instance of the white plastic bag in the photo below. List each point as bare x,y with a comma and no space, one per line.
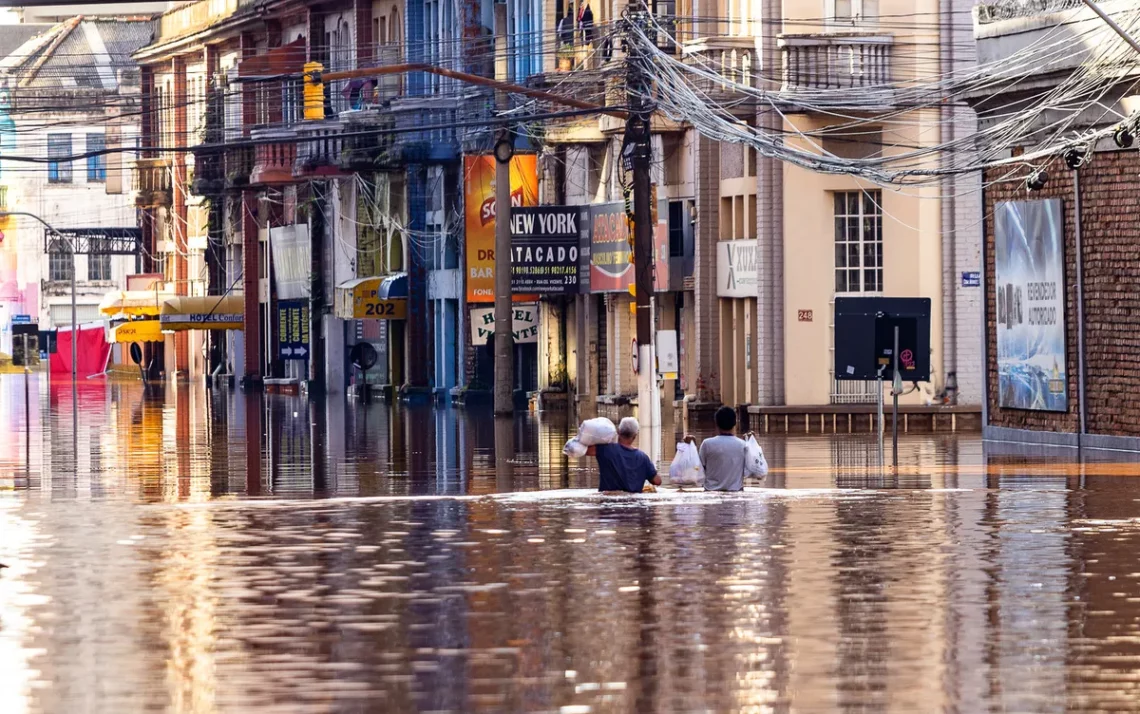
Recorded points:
597,431
686,469
574,449
754,462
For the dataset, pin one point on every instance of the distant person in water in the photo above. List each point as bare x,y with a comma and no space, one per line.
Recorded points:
723,455
621,467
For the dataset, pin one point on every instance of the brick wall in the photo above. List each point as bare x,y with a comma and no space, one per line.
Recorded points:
1110,209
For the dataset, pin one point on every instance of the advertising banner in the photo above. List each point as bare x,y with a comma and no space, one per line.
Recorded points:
736,268
479,215
544,249
609,251
525,324
293,329
1029,293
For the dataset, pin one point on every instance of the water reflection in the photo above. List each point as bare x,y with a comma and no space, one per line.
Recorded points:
196,551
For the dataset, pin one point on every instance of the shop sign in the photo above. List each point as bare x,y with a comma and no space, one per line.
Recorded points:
544,249
525,324
479,215
293,329
736,268
609,255
360,300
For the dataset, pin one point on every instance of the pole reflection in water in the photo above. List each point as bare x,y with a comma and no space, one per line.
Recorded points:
504,453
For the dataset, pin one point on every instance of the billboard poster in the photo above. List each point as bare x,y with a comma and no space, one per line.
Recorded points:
544,249
479,215
1029,292
609,251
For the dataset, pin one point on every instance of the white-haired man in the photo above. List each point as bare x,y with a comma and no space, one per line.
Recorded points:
621,467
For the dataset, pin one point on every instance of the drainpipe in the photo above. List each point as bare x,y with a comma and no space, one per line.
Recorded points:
1083,402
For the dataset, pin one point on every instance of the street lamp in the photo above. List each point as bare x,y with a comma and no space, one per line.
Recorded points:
74,333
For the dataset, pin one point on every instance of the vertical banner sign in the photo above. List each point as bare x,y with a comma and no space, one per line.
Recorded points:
544,249
609,251
293,329
1029,292
479,215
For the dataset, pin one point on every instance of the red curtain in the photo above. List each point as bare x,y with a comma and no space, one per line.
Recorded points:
93,351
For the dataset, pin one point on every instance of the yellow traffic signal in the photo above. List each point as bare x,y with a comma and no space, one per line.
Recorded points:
314,91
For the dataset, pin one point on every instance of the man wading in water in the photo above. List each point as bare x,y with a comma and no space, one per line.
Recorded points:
621,467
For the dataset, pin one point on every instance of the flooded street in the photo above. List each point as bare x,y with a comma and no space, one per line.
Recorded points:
382,559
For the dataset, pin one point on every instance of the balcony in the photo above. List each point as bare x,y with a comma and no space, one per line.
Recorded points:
238,164
817,63
273,161
418,121
320,148
369,152
733,57
152,183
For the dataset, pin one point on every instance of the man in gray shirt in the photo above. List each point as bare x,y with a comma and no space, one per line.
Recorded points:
723,455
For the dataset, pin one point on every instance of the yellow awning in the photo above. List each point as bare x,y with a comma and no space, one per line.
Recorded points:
134,302
137,331
367,298
211,312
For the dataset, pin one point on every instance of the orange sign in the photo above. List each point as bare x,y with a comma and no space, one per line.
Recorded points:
479,206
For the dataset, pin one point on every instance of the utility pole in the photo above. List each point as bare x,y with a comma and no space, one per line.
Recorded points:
636,155
504,322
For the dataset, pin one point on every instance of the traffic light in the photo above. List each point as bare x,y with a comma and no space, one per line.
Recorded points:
314,96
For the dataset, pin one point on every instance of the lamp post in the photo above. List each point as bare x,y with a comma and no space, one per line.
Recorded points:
74,333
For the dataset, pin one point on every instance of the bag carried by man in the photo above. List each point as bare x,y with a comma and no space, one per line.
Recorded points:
686,469
591,433
754,462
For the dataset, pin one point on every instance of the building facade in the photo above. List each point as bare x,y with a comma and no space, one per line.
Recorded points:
383,200
71,90
1059,217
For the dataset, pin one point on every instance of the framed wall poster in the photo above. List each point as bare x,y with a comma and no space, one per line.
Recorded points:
1029,299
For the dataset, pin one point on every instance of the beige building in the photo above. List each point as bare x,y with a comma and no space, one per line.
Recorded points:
758,249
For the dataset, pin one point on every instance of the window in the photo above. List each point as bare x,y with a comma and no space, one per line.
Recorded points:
61,262
96,165
98,262
858,241
676,229
852,12
59,145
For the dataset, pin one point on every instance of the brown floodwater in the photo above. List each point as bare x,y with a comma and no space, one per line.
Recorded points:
378,558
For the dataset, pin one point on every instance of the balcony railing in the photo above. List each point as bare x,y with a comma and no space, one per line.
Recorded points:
239,165
273,161
733,57
813,62
1007,10
320,151
152,182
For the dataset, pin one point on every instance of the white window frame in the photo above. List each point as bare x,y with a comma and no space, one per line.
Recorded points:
864,13
877,200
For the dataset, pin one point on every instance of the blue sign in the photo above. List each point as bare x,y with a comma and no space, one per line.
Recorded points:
293,329
972,279
21,319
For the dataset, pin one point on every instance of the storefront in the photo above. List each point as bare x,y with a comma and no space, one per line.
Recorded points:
376,309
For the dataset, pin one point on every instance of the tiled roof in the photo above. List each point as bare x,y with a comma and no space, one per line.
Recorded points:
87,53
